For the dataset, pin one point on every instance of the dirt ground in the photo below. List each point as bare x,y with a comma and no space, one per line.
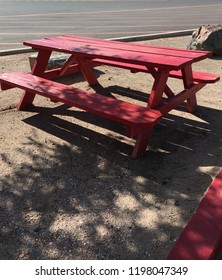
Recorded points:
68,189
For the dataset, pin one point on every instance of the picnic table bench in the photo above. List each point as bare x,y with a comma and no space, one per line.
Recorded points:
86,53
201,239
138,120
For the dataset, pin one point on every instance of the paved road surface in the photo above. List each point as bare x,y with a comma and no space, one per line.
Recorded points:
28,19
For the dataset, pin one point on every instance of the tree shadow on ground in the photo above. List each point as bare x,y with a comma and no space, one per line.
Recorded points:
77,195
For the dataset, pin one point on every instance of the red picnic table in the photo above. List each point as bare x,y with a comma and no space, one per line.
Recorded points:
86,53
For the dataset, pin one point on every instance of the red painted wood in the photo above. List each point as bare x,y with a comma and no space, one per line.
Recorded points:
187,77
41,62
130,114
69,62
86,70
38,69
201,239
55,73
167,89
139,118
154,59
200,77
197,76
161,60
179,98
158,88
135,47
142,141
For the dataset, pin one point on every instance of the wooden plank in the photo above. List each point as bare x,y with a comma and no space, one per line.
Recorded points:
87,70
158,88
38,69
148,59
117,110
187,76
201,239
167,89
178,52
70,61
197,76
57,72
139,120
142,140
179,98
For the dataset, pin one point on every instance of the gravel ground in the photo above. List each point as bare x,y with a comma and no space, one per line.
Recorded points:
68,189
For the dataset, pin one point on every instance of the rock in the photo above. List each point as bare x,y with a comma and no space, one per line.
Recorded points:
56,60
177,203
207,38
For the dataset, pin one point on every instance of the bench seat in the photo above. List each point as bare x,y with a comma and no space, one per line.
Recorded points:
201,77
201,239
138,120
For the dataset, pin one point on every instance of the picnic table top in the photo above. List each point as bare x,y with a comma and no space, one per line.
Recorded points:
150,56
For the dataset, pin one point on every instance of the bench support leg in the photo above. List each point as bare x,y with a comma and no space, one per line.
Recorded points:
38,70
26,100
142,140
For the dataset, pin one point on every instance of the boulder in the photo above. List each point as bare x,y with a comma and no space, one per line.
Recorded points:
207,38
56,60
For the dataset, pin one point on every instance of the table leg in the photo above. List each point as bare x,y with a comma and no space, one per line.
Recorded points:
188,81
167,90
38,70
87,70
142,139
158,88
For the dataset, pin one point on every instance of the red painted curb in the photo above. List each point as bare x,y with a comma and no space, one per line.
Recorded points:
201,239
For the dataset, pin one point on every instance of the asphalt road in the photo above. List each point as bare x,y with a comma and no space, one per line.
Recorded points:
21,20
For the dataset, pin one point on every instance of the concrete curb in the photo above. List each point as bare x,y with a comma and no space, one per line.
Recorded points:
154,36
16,51
123,39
